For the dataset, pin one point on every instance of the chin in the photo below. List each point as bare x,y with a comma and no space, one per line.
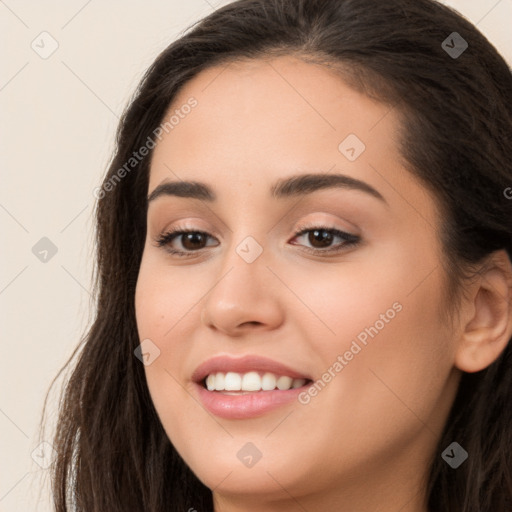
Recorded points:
242,467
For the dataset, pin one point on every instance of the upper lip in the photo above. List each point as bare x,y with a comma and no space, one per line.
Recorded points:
244,364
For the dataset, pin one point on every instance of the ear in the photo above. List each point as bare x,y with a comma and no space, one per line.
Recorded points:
488,327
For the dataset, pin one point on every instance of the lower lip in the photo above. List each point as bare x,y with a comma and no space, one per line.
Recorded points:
250,405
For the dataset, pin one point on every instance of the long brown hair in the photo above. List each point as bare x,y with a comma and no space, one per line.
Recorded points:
456,111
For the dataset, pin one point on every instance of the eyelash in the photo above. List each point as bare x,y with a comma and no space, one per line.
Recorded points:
350,240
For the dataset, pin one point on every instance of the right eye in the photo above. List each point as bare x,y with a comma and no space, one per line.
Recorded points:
190,240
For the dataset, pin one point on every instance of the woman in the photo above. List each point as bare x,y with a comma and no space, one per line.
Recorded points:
304,277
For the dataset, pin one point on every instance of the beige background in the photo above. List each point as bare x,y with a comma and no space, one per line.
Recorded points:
58,116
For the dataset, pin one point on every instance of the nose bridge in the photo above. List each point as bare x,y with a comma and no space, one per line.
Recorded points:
243,270
242,292
248,247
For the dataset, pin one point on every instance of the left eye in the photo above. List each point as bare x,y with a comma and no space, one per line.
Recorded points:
320,237
324,236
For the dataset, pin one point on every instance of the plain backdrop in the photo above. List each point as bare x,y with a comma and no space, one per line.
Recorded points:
69,69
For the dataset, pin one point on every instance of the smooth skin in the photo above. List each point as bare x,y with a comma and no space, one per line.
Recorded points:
365,441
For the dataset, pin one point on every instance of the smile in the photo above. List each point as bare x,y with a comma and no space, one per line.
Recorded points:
251,381
247,387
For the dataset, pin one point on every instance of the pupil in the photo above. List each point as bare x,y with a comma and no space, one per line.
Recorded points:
194,238
324,240
317,238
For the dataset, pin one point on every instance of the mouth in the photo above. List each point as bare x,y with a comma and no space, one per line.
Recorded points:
248,387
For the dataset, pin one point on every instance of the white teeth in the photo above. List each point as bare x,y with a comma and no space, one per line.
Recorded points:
219,381
210,382
268,382
298,383
233,381
284,382
251,381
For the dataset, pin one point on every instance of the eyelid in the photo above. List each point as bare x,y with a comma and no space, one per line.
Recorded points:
301,226
349,240
328,225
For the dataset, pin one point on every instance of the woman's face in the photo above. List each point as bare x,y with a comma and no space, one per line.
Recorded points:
352,320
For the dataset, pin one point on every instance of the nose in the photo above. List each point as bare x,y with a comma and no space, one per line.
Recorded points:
246,295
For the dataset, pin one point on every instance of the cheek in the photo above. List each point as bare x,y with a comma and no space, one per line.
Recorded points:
164,302
397,356
162,297
395,361
382,345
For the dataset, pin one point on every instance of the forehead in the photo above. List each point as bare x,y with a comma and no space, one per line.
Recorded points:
258,120
273,108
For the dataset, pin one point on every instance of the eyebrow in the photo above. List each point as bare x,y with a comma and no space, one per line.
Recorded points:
293,186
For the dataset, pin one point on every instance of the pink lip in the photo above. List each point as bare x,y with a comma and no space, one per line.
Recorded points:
250,405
